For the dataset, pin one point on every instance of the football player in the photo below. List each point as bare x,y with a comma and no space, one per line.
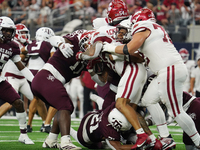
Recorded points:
9,50
190,64
11,72
59,70
164,61
125,70
39,52
103,125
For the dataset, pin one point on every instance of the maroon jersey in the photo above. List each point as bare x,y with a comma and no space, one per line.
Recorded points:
7,51
95,127
59,70
41,48
69,67
193,111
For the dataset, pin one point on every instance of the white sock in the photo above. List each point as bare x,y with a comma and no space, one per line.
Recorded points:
153,138
65,140
158,116
140,131
53,136
21,117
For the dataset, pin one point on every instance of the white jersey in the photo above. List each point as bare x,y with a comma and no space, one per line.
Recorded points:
133,75
190,64
157,47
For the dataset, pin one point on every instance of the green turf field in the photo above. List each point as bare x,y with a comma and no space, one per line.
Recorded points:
9,133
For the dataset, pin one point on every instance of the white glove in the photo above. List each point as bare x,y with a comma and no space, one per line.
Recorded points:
108,47
66,50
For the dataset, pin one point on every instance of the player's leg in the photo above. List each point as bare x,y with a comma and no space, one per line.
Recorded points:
14,99
51,140
5,108
32,111
134,75
50,114
42,110
56,96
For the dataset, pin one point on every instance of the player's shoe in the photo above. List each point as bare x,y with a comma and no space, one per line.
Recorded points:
168,143
198,147
23,138
42,127
142,140
70,146
29,129
46,129
154,145
49,143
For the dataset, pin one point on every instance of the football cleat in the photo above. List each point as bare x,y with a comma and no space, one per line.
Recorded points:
168,143
49,143
42,127
70,146
154,145
198,147
46,129
23,138
29,128
142,140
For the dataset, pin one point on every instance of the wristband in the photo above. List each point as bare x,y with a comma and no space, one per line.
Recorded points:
125,50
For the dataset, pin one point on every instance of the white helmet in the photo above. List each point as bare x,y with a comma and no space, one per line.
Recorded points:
7,23
44,33
125,24
118,120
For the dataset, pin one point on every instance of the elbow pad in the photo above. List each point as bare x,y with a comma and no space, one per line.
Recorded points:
96,79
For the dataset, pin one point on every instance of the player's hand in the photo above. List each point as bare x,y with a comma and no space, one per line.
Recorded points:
92,63
66,50
78,56
107,47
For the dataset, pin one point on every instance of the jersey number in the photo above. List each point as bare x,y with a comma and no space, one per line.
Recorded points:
166,36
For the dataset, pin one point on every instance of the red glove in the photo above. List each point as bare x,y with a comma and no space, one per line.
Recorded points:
78,55
91,64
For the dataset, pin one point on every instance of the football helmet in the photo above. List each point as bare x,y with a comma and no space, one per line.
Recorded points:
85,38
142,15
116,12
126,37
184,54
118,120
7,25
22,33
43,34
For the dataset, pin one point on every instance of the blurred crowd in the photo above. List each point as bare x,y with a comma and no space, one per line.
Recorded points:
167,12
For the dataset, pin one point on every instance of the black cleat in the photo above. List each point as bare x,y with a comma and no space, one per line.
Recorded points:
29,129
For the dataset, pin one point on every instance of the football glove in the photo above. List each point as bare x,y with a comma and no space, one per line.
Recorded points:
107,47
66,50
